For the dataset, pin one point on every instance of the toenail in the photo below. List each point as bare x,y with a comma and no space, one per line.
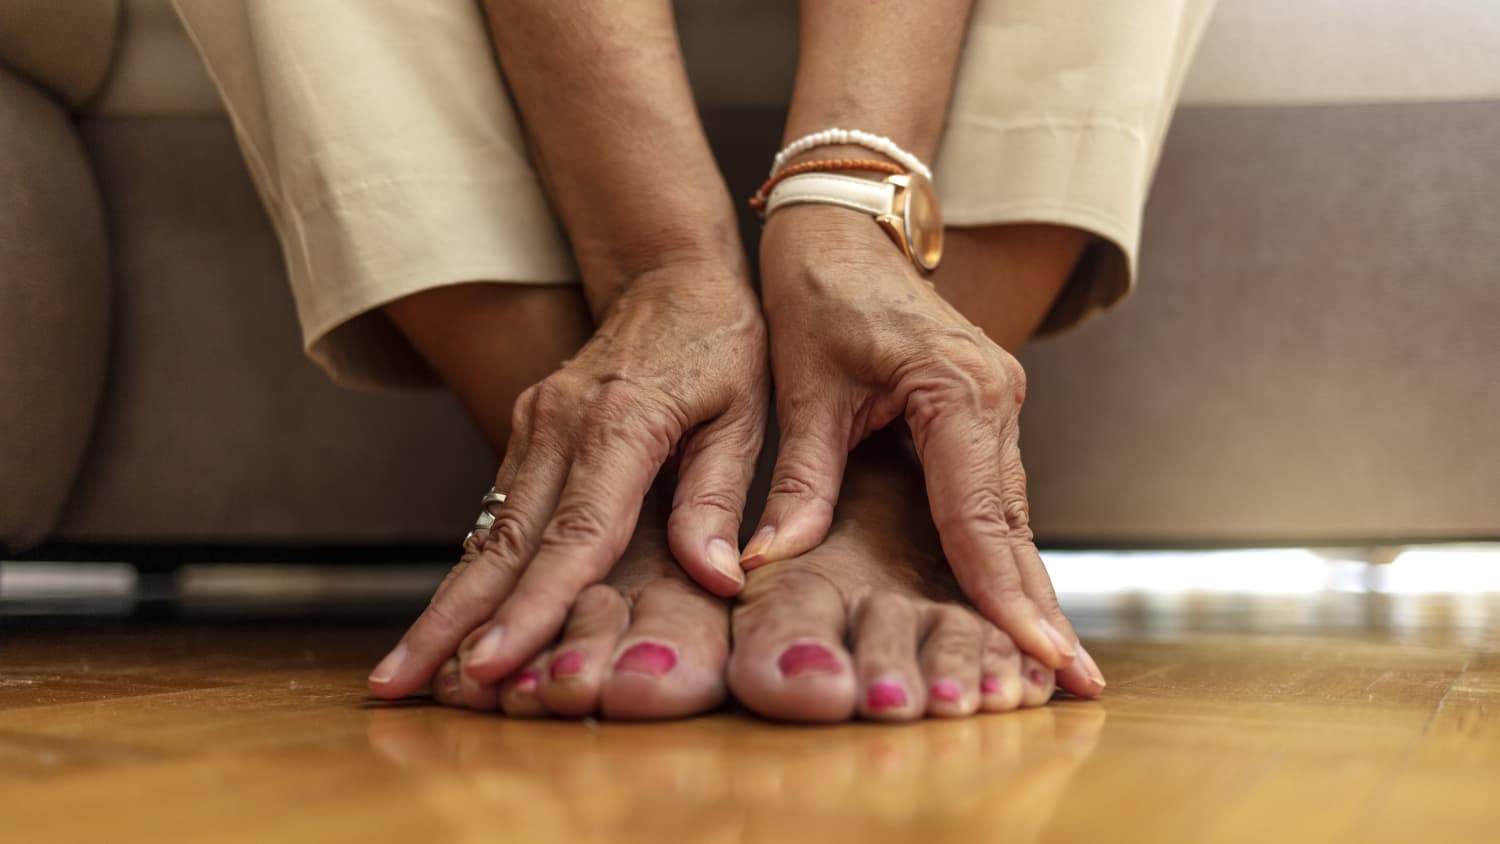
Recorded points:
526,681
1035,676
886,694
807,658
647,658
450,682
947,691
566,663
990,685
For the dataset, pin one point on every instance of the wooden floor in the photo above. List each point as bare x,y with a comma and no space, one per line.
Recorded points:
1322,717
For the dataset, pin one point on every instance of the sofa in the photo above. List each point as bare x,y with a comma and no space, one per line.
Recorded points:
1312,356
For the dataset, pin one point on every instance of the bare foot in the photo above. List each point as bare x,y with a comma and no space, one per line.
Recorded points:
872,622
647,643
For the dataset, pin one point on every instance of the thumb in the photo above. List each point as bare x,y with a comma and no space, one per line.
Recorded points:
716,466
804,487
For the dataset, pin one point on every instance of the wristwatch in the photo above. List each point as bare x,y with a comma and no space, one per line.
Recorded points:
906,206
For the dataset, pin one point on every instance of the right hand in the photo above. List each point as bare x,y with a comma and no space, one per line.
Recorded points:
677,366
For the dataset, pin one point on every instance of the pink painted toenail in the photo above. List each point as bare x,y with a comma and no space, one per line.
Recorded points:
526,681
990,685
450,682
802,659
1035,676
565,663
946,690
886,694
647,658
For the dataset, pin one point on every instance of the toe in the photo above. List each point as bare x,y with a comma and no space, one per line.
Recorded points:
517,693
1037,682
949,660
1000,672
789,660
670,662
446,684
885,659
478,695
571,680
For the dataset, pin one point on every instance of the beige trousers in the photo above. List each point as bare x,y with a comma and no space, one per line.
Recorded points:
391,161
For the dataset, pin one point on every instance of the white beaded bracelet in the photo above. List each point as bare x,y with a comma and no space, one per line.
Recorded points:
855,137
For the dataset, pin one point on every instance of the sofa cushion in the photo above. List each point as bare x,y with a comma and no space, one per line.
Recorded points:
54,308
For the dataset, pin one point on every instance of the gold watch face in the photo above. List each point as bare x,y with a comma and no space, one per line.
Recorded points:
924,222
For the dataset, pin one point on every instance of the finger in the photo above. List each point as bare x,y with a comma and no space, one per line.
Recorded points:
595,518
515,453
980,517
1082,677
810,463
717,465
482,579
521,426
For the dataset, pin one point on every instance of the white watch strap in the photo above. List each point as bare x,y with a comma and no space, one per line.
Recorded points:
831,189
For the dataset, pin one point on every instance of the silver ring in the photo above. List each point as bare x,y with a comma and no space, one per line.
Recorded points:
486,518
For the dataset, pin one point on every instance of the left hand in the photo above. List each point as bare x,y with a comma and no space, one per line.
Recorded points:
859,339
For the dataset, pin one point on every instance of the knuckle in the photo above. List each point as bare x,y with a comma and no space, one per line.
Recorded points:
575,524
1000,647
884,608
980,510
506,540
443,618
716,501
1003,593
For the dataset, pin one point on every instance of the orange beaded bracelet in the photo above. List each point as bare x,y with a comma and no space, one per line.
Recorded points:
828,165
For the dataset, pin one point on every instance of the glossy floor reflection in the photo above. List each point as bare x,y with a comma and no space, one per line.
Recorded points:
1321,716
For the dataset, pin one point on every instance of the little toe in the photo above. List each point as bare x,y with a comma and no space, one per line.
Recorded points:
789,660
1000,687
1037,682
885,659
446,683
670,661
949,659
571,682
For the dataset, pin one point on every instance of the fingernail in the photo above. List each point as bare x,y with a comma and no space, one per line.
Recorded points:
806,659
760,543
886,694
990,685
722,557
568,662
488,646
386,670
1058,640
1090,667
526,681
647,658
947,691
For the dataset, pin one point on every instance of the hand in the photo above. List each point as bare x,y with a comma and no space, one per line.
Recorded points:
677,365
858,340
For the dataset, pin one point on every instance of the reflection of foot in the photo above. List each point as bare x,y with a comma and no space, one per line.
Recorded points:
733,780
879,584
646,643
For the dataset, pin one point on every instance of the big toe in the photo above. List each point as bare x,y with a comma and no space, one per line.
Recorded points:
670,661
789,660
